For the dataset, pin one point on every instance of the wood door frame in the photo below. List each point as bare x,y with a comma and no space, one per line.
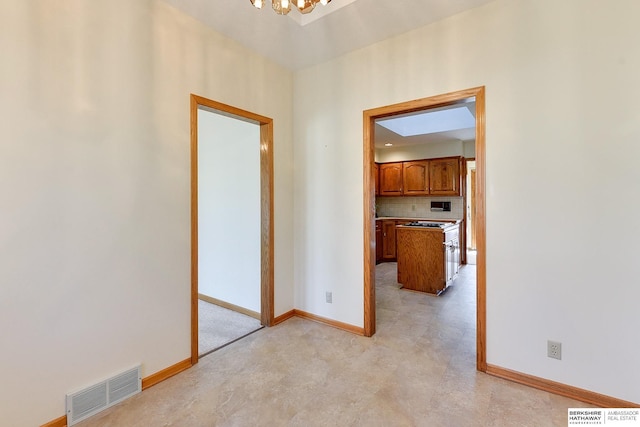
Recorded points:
369,117
266,211
471,242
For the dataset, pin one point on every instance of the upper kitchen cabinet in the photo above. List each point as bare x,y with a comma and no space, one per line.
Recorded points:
444,176
415,178
376,178
427,177
391,179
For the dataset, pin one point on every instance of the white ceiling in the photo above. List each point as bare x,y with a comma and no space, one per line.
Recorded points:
297,41
342,26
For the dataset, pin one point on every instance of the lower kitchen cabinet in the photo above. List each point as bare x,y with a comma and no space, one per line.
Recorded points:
378,242
428,259
451,255
388,240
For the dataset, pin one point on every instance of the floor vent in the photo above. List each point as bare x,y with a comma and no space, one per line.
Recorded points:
98,397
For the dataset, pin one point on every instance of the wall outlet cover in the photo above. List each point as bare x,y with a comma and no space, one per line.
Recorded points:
554,350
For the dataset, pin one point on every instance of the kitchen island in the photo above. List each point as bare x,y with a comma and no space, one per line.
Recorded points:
428,255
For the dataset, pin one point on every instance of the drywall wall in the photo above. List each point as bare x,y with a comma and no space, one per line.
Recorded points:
561,86
229,234
95,184
419,151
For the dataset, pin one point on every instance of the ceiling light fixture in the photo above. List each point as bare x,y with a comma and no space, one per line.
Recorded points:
282,7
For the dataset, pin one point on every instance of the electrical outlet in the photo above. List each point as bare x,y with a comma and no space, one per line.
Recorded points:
329,297
413,207
554,350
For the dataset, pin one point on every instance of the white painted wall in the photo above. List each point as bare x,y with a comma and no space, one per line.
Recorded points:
562,84
419,151
469,149
229,209
94,178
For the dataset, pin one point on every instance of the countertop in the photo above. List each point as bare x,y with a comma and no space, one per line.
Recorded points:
453,221
445,229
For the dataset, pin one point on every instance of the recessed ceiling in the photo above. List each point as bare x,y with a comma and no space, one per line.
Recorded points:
457,117
444,124
342,26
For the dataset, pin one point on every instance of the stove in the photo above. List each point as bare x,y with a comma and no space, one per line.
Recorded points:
427,224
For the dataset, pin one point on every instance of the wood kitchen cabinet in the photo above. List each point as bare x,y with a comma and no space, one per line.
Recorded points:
415,178
390,179
444,177
428,177
388,240
428,259
376,178
378,242
451,255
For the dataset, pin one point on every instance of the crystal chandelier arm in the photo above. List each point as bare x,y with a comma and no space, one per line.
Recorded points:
283,7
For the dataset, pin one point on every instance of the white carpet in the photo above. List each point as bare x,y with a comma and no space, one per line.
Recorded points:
218,327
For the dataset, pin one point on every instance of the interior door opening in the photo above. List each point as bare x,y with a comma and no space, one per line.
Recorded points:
407,108
231,224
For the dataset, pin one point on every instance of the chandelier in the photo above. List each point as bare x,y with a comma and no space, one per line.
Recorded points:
282,7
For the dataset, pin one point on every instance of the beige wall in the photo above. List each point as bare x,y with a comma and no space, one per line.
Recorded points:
420,151
562,131
94,178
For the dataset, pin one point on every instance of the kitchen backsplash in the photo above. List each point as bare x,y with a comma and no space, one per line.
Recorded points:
418,207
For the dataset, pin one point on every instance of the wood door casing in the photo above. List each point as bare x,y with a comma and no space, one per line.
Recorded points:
369,118
472,215
267,247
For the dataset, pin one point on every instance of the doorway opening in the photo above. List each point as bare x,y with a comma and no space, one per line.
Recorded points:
223,247
369,120
471,211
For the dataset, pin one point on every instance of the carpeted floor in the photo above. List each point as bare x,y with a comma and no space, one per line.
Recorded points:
218,326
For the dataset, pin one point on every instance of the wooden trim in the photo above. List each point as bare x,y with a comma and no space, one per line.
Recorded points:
266,222
481,237
369,226
58,422
194,229
560,389
229,306
230,111
266,210
162,375
465,200
369,117
147,382
329,322
285,316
